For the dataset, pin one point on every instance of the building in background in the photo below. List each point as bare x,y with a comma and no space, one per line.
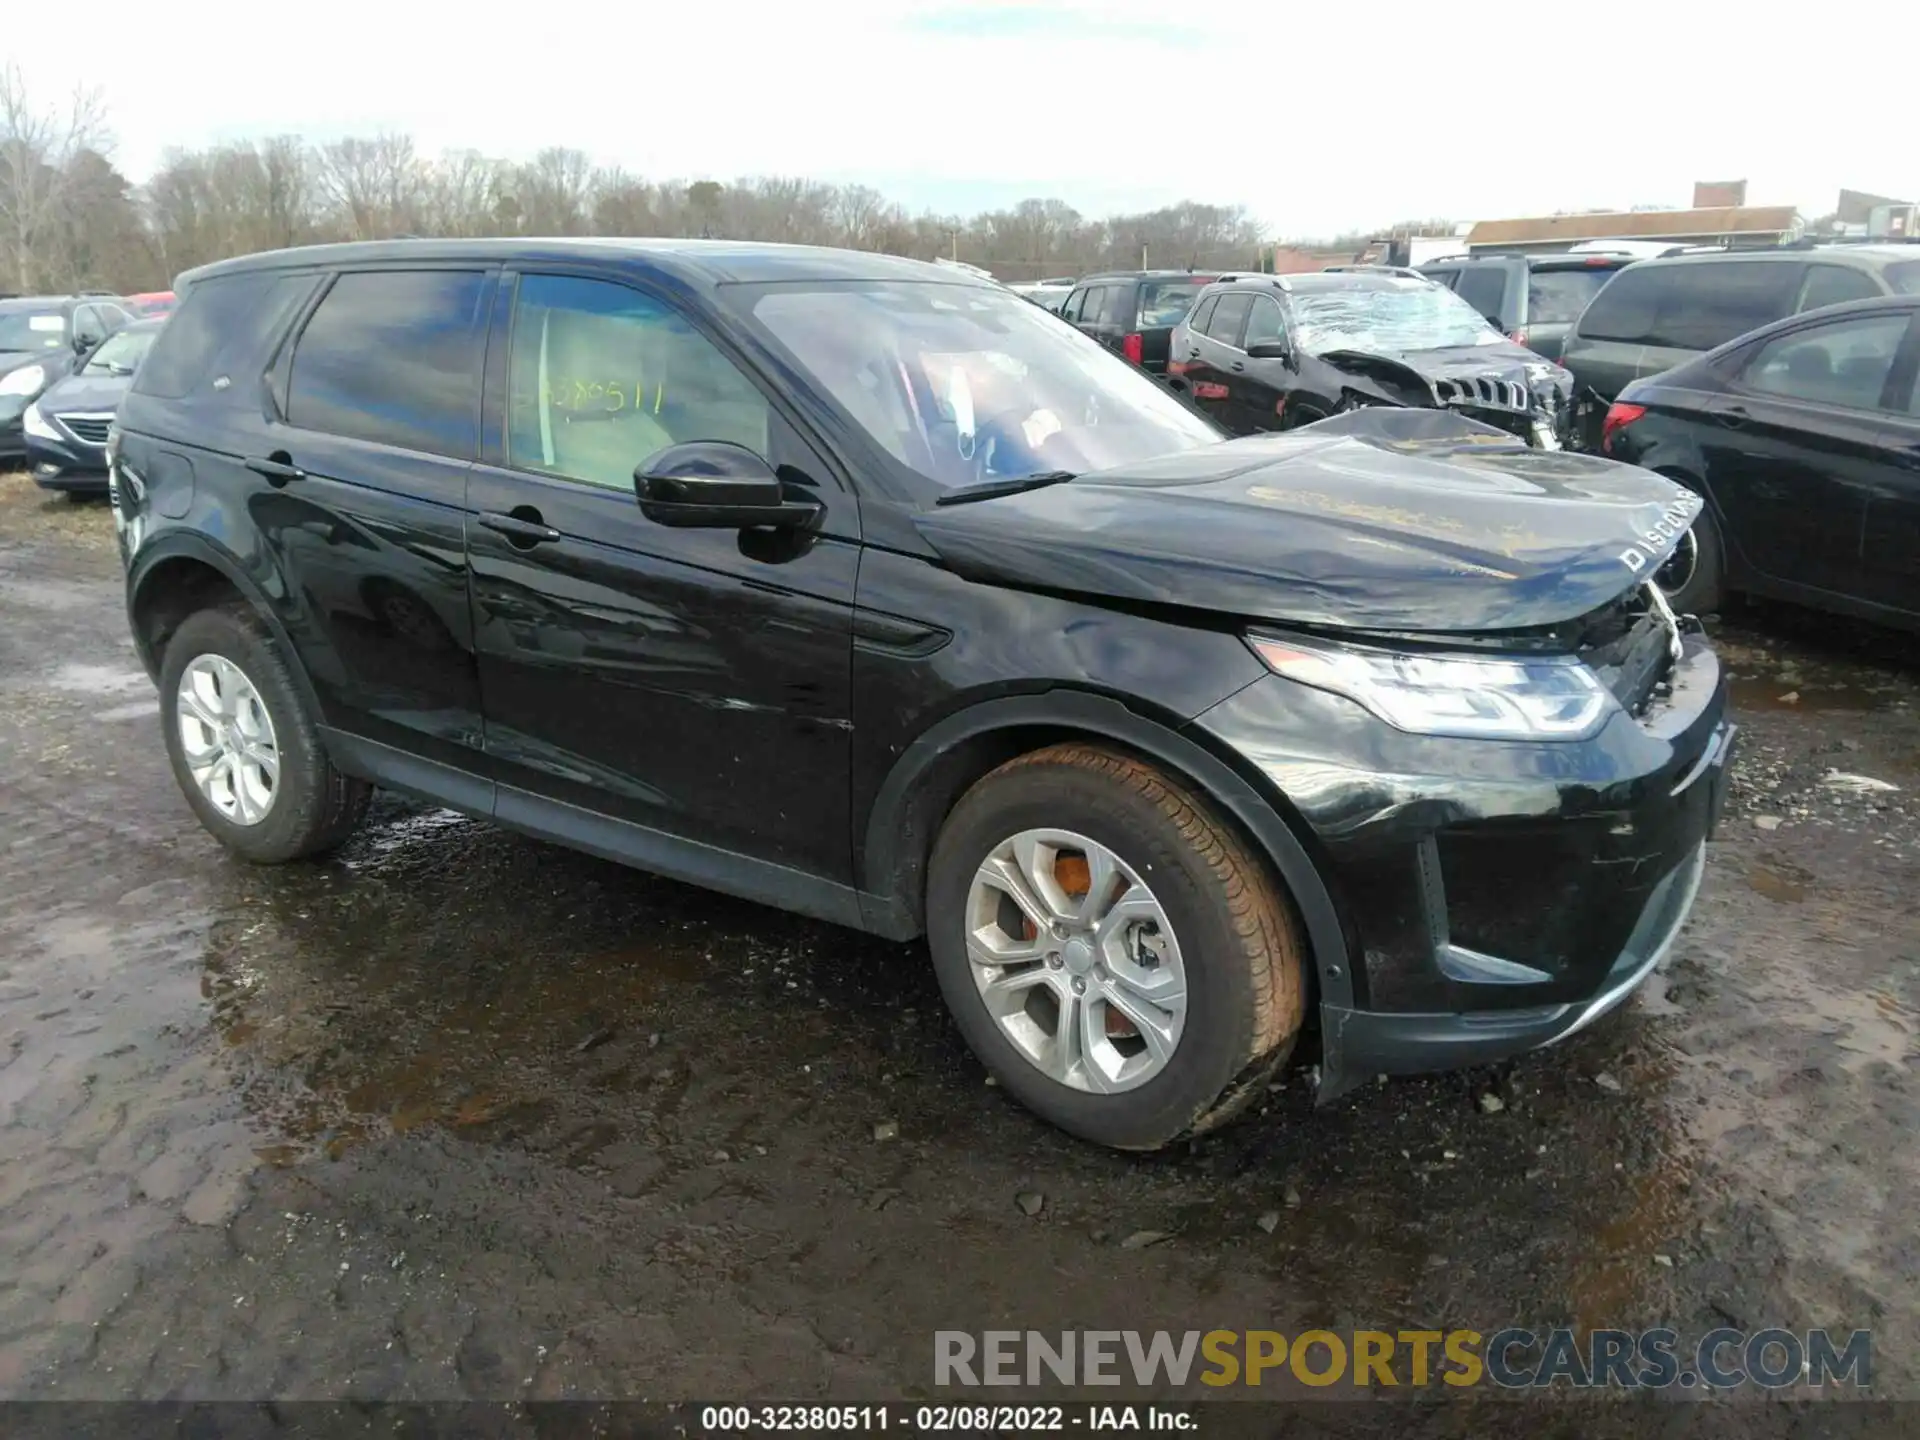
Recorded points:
1743,225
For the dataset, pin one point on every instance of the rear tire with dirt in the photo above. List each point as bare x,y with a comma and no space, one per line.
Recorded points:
1111,948
244,749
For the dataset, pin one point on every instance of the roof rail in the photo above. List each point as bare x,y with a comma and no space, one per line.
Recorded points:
1406,272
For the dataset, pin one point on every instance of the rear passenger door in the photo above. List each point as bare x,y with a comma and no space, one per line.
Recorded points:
1260,391
360,494
1225,361
691,683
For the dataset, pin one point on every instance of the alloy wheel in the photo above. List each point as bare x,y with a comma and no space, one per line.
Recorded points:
227,738
1076,961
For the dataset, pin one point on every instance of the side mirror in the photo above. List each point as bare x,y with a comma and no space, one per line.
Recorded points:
716,485
83,343
1270,350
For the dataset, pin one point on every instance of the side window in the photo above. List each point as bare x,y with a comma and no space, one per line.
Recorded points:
1264,322
1726,300
1227,317
1094,311
1075,303
1484,287
393,356
1845,363
601,376
1834,285
1448,277
207,317
1202,313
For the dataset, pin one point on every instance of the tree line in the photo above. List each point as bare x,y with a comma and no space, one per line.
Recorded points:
69,219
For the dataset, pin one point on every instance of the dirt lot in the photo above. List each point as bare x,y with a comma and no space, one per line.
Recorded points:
464,1115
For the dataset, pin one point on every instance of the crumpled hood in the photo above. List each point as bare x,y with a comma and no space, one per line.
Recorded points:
1378,519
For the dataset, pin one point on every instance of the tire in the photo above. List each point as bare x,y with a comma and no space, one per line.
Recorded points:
1700,590
313,807
1234,934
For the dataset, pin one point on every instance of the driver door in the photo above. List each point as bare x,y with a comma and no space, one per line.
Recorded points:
689,682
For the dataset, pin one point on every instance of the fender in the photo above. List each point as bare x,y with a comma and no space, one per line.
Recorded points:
184,544
892,880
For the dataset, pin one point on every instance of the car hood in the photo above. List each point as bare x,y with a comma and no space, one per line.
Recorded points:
1378,519
14,359
84,393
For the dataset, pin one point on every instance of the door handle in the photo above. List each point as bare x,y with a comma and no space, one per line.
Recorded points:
1194,353
1239,364
523,530
1733,417
275,467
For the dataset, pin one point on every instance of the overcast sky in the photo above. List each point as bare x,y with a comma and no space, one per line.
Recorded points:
1340,116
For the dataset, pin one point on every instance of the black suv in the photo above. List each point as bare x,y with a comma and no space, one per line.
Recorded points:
43,337
1134,312
1274,352
865,588
1532,299
1661,313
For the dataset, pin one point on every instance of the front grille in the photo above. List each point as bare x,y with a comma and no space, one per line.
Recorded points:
91,429
1483,390
1628,644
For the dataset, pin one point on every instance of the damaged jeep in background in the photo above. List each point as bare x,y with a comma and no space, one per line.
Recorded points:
1273,352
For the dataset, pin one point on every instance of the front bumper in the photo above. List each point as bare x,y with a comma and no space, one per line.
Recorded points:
66,465
1495,896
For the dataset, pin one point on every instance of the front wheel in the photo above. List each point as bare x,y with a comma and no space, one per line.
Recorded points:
1111,949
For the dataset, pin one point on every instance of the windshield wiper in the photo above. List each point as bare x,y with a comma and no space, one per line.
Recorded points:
993,489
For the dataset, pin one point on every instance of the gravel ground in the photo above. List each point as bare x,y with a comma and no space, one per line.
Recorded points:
462,1115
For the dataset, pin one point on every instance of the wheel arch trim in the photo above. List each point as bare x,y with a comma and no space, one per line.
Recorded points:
889,886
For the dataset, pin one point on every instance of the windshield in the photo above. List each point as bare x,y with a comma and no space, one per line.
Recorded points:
963,384
32,330
1391,316
119,354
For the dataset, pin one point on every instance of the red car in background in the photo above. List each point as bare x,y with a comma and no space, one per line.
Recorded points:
153,303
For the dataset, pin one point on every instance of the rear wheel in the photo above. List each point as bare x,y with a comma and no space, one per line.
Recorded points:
244,750
1111,949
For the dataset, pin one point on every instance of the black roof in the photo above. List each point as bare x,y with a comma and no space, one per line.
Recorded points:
1200,275
1856,257
35,302
713,262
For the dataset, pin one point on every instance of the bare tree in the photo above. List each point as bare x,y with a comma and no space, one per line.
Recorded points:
38,175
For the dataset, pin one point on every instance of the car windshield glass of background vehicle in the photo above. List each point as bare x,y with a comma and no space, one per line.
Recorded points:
119,354
1393,315
32,329
964,384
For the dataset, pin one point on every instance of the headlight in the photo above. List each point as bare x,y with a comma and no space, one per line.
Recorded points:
27,380
1460,695
34,423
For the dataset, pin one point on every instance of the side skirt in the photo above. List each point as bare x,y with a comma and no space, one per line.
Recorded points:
622,841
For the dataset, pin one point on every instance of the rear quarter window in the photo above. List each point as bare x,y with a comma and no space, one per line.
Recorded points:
213,317
1556,297
1165,302
1484,287
1692,306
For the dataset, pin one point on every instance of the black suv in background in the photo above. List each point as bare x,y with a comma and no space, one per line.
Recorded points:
865,588
1134,312
1531,299
1659,313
